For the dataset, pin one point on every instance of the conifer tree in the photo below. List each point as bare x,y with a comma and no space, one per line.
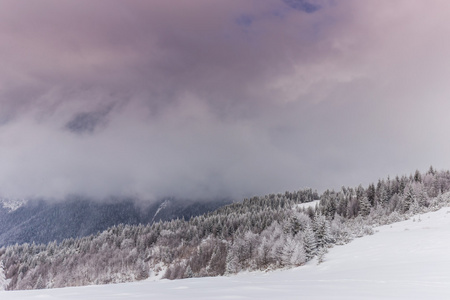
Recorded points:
409,198
188,273
370,193
3,283
364,206
321,230
293,253
232,265
287,251
309,241
40,283
321,255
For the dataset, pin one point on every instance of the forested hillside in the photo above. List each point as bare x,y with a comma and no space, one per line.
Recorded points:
261,233
40,221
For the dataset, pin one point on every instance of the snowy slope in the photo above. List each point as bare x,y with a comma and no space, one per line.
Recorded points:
311,204
406,260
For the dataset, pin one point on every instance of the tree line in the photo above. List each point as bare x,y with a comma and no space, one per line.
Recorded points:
259,233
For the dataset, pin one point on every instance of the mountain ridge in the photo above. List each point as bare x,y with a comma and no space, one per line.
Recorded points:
40,221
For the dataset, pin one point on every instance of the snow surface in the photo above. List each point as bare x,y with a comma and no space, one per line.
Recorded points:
309,204
406,260
161,207
12,204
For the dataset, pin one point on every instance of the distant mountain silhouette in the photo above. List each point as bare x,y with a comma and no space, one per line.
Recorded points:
41,221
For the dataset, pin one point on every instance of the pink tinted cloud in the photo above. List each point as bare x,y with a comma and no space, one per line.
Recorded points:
212,98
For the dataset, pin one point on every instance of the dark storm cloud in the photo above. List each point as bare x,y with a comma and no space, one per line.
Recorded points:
87,122
218,98
302,5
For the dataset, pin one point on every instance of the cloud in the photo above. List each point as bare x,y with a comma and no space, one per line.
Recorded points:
302,5
87,122
244,20
223,98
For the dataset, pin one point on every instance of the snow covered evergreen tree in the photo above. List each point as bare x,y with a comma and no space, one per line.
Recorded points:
293,253
321,255
321,229
309,241
188,273
232,264
364,206
409,198
3,282
39,283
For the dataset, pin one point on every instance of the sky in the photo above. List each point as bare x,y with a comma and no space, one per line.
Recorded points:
208,99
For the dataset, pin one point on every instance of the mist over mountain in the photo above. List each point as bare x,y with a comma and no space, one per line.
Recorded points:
41,221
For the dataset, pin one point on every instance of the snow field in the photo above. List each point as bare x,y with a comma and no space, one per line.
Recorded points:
311,204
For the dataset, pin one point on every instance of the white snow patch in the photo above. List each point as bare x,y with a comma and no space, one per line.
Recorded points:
394,263
161,207
157,272
308,204
12,204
